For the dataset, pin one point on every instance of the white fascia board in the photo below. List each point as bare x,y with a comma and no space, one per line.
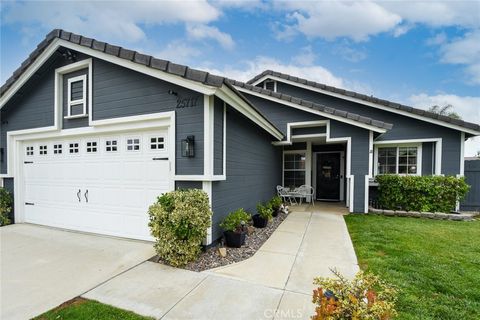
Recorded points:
317,112
52,47
370,104
232,99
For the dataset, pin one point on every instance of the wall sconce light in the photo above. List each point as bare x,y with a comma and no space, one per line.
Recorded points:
188,147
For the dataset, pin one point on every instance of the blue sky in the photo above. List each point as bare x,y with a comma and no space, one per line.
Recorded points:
417,53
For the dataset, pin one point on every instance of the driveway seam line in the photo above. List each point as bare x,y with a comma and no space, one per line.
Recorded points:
113,277
182,298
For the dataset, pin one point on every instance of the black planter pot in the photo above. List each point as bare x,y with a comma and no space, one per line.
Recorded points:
234,239
259,222
276,212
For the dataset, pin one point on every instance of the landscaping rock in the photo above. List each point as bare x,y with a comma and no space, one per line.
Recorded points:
429,215
440,216
222,252
389,212
401,213
375,211
414,214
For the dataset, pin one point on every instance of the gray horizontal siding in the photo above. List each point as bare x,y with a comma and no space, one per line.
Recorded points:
310,130
428,159
253,170
403,127
188,185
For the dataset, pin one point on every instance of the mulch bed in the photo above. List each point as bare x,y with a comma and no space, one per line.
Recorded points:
210,258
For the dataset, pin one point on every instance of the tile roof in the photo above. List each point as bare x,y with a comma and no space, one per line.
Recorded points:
372,99
175,69
312,105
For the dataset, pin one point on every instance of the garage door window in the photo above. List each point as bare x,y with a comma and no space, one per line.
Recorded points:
111,145
73,148
133,144
157,143
43,150
29,151
91,146
57,149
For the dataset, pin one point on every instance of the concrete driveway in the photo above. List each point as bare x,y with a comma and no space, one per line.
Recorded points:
43,267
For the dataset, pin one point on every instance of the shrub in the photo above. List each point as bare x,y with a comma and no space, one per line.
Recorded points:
364,297
420,193
265,211
276,202
233,221
179,222
5,206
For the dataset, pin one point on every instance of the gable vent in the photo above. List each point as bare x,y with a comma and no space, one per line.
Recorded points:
270,85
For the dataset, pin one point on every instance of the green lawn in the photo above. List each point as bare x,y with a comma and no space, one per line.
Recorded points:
435,264
82,309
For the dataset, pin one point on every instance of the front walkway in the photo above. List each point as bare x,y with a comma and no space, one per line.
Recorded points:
275,283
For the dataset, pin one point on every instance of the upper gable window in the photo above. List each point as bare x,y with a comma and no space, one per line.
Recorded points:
77,96
270,85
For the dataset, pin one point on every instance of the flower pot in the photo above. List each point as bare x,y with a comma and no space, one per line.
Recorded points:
259,222
276,212
234,239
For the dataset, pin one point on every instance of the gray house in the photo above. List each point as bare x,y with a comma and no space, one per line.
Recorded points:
92,133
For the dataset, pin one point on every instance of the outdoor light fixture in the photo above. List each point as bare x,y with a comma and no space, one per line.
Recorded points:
188,147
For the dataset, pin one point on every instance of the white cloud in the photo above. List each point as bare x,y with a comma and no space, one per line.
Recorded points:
348,53
121,20
248,69
357,20
178,51
306,57
202,32
467,107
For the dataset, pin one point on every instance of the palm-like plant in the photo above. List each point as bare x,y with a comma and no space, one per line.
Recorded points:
446,110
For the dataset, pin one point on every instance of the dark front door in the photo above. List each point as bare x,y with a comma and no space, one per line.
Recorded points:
328,176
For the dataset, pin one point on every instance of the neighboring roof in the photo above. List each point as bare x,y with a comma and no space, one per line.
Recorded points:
372,99
314,106
471,158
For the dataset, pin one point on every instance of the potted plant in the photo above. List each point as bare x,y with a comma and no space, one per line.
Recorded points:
235,228
276,203
260,220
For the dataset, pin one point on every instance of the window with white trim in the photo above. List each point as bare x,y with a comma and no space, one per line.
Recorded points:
398,160
293,169
133,144
157,143
43,150
270,85
73,148
91,146
29,151
57,148
111,145
77,96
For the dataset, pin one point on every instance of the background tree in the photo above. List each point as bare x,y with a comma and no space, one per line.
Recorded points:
446,110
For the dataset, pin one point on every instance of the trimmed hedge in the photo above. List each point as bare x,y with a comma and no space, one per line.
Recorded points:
420,193
179,221
5,206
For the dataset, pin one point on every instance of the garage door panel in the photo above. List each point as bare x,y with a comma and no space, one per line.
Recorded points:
121,186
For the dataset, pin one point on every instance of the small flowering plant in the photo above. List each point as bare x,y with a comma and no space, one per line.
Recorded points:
364,297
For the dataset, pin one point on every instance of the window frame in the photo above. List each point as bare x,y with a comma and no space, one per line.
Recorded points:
78,147
285,152
117,145
139,138
82,101
149,143
97,146
397,146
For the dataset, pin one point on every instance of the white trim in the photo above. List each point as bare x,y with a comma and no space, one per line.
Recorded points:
367,186
308,136
351,191
417,145
15,155
231,98
308,166
370,154
310,110
368,103
208,126
200,177
82,101
283,163
207,187
224,171
274,85
462,154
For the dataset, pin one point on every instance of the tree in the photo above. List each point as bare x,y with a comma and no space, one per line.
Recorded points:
446,110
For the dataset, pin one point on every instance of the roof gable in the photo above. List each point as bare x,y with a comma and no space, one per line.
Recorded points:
371,101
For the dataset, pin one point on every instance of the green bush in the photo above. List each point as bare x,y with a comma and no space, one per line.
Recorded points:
179,222
420,193
233,221
5,206
265,211
276,202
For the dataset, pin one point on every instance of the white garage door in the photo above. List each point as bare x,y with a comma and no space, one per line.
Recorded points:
99,184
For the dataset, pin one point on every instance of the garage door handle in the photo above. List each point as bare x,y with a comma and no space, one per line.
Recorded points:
78,195
86,195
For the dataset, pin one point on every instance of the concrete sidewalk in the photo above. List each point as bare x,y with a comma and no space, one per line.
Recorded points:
276,283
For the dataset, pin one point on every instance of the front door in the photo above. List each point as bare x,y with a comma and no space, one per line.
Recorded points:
328,176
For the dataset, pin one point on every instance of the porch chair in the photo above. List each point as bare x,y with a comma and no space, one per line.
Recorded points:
285,195
305,191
